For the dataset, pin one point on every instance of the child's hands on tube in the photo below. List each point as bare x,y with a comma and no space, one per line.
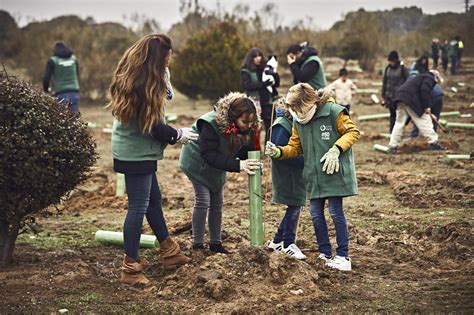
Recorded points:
331,160
272,150
250,166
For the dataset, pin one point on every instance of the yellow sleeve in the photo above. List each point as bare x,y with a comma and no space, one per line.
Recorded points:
293,149
348,131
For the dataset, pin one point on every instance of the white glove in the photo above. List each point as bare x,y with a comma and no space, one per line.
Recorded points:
185,135
272,150
250,166
331,161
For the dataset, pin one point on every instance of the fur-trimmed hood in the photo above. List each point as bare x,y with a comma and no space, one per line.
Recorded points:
222,110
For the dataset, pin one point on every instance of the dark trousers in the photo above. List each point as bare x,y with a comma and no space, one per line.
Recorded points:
435,61
392,107
144,199
444,62
287,229
454,64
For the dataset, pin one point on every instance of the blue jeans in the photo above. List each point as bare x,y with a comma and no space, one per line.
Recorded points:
71,98
287,229
319,222
144,199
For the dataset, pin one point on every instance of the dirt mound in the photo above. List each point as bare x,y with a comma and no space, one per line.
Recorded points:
423,191
97,193
248,272
371,178
434,246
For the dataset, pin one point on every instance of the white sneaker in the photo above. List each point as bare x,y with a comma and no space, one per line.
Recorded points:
340,263
294,252
324,257
278,247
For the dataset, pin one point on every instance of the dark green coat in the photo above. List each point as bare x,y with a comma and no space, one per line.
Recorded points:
194,166
318,81
316,138
287,182
255,94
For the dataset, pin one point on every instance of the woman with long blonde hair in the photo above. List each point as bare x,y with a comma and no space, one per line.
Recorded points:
139,90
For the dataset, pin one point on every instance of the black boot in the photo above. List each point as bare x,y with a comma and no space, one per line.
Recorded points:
436,146
218,248
198,246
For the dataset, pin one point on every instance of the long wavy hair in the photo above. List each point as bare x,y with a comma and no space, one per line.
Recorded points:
138,89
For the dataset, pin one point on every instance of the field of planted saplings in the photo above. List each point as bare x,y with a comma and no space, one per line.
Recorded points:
410,227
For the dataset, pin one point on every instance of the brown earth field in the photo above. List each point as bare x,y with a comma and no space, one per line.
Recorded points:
410,228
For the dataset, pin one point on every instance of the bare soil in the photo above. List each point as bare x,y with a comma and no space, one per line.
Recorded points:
411,233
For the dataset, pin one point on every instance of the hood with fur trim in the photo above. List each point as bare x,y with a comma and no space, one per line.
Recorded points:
222,110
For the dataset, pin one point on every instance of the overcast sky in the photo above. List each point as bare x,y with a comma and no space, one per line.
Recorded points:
166,12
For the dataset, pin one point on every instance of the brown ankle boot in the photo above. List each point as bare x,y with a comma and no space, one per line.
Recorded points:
171,254
132,273
144,263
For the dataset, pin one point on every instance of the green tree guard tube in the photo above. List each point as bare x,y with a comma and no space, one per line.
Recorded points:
120,185
459,125
458,157
381,148
442,122
116,238
255,204
446,114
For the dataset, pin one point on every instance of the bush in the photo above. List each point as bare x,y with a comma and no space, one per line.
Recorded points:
361,40
209,64
45,151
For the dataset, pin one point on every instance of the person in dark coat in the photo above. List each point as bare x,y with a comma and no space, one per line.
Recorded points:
420,66
62,71
414,101
251,77
444,55
437,100
394,76
306,66
435,52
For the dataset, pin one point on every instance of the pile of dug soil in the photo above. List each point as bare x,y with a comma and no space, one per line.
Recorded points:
423,191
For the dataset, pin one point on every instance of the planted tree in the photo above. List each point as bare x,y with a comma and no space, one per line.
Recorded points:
209,64
45,151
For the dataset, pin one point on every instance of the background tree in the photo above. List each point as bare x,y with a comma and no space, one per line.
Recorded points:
208,65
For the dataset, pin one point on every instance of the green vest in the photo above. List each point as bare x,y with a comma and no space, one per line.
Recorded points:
254,94
287,182
64,74
318,81
194,166
317,137
129,144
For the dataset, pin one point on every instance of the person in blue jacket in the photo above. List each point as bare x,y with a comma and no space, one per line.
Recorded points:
288,188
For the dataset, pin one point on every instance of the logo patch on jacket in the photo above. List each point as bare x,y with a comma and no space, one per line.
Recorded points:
325,135
325,127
